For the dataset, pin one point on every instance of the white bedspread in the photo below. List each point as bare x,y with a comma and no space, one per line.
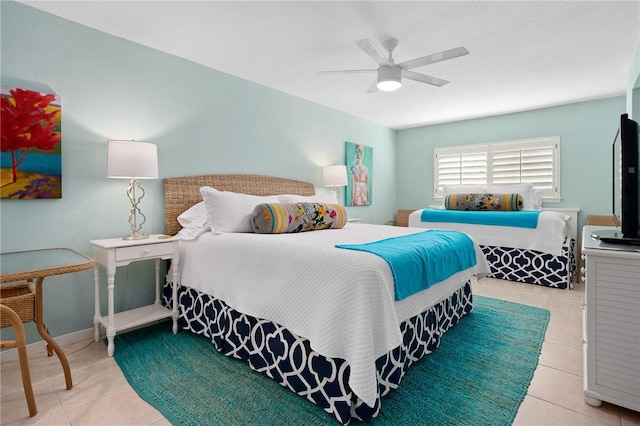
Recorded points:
548,237
340,300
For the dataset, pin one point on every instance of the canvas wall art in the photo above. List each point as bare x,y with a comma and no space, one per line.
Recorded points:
359,162
31,156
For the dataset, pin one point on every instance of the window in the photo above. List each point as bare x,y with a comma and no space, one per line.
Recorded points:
501,163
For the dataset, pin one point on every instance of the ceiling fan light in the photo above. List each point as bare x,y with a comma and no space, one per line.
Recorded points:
389,85
389,78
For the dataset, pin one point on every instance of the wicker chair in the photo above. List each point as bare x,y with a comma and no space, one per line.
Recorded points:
9,317
603,220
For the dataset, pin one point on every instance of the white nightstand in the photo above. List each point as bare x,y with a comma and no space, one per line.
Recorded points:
115,252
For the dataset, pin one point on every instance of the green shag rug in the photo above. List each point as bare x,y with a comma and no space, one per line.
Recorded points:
478,376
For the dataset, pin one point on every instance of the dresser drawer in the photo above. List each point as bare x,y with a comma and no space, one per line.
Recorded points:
144,251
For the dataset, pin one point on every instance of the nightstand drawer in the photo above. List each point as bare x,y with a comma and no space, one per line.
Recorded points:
144,251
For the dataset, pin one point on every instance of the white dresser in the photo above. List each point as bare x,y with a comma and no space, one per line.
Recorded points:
611,322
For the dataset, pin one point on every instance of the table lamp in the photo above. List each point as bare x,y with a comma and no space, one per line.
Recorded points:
133,160
334,176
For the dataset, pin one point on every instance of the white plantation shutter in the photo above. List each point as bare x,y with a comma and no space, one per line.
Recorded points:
502,163
466,168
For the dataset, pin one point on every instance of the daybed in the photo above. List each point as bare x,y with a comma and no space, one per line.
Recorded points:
541,253
320,320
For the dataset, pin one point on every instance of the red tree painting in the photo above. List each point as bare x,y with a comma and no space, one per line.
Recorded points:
29,122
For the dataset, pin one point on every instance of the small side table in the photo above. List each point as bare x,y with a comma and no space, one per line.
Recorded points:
35,265
115,252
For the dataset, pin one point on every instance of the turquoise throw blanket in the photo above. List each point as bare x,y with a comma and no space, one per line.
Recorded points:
526,219
421,260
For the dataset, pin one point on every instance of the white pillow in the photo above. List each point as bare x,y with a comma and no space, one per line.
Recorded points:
326,198
231,211
190,233
194,217
463,189
537,205
528,192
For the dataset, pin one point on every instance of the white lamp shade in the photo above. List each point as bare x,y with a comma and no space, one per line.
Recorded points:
132,159
334,175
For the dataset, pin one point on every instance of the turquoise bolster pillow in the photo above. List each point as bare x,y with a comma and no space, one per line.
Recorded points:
484,202
279,218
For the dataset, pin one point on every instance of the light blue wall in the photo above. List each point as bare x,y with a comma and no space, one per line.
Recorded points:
586,133
633,85
203,121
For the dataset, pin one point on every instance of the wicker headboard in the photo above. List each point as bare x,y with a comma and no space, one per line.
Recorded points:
180,193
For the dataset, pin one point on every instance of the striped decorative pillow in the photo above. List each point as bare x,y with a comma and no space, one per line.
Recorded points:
484,202
279,218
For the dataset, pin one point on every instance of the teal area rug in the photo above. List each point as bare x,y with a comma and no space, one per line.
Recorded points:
478,376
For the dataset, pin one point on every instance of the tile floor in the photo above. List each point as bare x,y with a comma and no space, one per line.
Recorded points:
101,395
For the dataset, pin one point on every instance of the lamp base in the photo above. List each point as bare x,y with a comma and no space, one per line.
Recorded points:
135,212
135,236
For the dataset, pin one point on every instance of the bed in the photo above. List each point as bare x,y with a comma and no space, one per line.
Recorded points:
320,320
542,255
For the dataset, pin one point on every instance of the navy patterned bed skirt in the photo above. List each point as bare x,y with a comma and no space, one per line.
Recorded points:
289,360
532,267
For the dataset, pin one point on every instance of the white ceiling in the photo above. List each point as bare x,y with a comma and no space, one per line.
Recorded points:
523,54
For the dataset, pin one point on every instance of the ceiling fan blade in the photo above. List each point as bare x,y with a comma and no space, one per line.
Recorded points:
422,78
374,87
344,72
373,53
433,58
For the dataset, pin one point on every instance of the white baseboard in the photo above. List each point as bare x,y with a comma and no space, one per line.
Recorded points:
64,340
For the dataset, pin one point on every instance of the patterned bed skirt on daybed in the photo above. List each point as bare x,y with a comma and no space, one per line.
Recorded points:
289,360
532,267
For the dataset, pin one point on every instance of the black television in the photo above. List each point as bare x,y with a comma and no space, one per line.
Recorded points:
626,186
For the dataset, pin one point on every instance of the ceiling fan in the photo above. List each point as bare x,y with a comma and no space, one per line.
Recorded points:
390,74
